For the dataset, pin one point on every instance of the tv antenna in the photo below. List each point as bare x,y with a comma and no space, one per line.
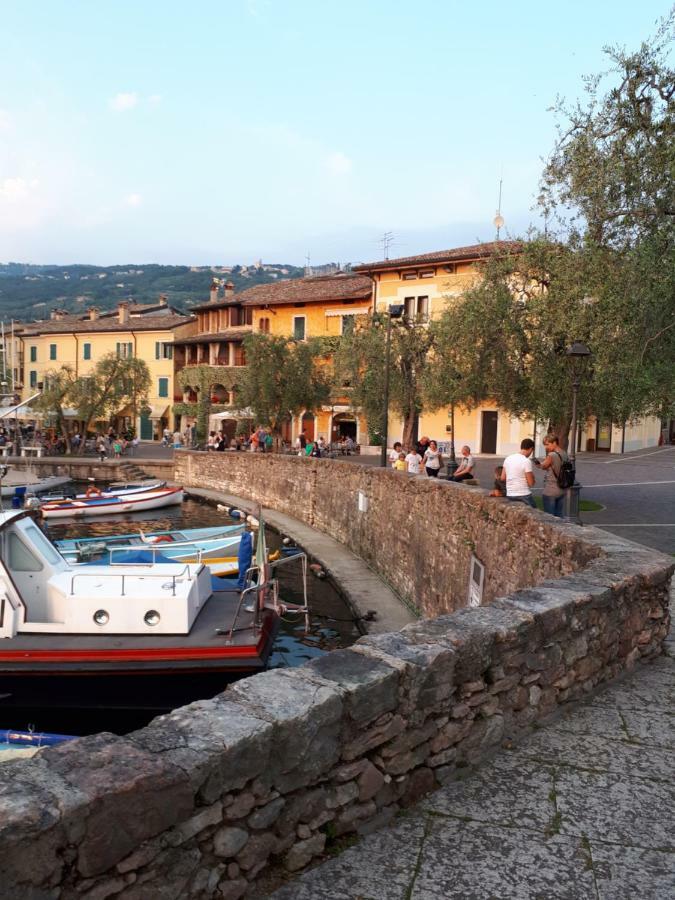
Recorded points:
499,218
386,240
308,265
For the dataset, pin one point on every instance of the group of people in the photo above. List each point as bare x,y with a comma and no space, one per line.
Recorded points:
116,445
514,479
426,455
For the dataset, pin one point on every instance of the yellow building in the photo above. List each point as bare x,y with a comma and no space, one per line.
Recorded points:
424,284
314,306
143,331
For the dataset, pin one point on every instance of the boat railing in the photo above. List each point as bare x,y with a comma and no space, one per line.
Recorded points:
123,576
154,550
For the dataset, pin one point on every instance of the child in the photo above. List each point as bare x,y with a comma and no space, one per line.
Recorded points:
400,465
499,490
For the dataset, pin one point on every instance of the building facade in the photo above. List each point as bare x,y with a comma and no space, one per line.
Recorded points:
141,331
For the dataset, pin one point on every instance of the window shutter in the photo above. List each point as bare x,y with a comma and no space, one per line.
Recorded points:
130,350
119,349
157,350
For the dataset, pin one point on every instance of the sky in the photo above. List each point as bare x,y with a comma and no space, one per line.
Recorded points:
224,131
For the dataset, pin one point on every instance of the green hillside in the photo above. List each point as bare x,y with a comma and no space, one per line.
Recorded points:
29,292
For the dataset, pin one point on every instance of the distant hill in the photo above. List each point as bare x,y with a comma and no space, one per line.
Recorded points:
30,292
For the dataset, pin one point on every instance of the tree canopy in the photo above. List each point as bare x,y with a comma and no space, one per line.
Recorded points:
283,377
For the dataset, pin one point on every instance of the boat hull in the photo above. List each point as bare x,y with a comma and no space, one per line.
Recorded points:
112,506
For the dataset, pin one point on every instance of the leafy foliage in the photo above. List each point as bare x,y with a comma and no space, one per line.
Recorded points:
283,377
360,363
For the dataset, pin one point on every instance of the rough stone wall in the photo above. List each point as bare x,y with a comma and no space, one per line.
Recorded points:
418,533
217,798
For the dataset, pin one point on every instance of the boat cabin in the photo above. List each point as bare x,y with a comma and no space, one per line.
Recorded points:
42,593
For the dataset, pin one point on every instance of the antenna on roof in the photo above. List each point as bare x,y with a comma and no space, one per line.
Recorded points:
386,240
499,218
308,267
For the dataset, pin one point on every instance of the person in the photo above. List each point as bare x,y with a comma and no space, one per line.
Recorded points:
413,460
117,447
553,494
302,439
518,474
262,434
322,446
166,436
253,440
101,448
432,460
499,488
176,439
395,453
211,441
466,464
193,434
350,444
422,445
400,465
269,441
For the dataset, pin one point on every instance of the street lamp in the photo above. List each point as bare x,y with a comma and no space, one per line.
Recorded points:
395,311
578,355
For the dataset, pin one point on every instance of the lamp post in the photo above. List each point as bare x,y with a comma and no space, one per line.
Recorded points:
395,311
452,465
578,355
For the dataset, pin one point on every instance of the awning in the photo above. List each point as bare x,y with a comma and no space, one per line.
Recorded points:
158,411
233,414
349,311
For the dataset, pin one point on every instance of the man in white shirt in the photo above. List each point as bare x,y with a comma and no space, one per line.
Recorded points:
519,474
414,461
466,464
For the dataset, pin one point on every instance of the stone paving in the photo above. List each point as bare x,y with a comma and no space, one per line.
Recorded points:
583,807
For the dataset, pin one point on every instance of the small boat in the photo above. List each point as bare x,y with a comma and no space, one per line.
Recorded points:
103,506
18,744
63,621
28,482
216,547
113,490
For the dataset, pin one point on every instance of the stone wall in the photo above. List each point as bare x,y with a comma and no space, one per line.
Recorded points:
417,533
85,467
216,799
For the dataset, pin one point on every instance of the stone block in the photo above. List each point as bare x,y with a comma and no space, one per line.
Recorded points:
228,841
218,743
306,718
374,736
267,815
304,851
256,850
205,818
131,795
369,686
370,781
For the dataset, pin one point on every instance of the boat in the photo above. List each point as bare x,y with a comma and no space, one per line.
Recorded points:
103,506
112,490
18,744
63,621
217,547
26,481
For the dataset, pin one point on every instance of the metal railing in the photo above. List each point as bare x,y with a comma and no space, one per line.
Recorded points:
123,576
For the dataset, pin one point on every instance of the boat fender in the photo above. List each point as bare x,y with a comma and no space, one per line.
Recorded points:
253,522
286,541
221,508
317,570
235,513
92,491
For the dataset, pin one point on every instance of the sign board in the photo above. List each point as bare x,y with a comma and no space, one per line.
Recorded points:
363,502
476,581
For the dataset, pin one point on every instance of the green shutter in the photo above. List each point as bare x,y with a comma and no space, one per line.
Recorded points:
157,350
52,351
86,351
163,388
130,350
33,354
119,349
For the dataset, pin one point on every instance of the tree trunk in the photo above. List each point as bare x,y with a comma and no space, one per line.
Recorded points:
409,436
562,428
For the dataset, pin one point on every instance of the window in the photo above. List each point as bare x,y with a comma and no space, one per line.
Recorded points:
427,273
125,350
264,326
163,387
33,354
409,303
163,350
21,559
52,351
347,324
417,309
423,308
33,378
86,351
38,539
299,328
248,315
409,276
451,268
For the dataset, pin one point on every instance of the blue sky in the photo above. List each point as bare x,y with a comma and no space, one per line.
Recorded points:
221,132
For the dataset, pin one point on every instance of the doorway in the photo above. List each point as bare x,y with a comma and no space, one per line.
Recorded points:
308,426
603,435
344,426
488,431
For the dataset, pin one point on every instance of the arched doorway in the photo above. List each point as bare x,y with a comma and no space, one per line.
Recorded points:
344,425
307,425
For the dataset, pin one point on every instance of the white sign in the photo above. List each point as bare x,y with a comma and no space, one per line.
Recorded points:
363,502
476,581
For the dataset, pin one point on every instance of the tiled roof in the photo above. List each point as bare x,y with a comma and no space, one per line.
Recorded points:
70,326
457,254
325,288
233,300
230,334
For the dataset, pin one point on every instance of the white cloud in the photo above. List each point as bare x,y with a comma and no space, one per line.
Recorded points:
123,101
154,99
338,163
133,200
16,189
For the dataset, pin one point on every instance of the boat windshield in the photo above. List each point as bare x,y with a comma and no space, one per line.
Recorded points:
33,533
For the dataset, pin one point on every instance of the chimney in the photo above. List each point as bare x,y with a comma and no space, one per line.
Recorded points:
93,313
123,312
163,300
57,314
229,290
213,296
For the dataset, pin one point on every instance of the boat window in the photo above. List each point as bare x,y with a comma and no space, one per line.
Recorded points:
20,557
44,546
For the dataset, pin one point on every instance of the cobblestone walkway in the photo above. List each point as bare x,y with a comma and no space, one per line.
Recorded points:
582,808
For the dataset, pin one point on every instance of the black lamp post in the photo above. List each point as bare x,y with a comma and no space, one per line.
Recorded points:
452,465
578,355
395,311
